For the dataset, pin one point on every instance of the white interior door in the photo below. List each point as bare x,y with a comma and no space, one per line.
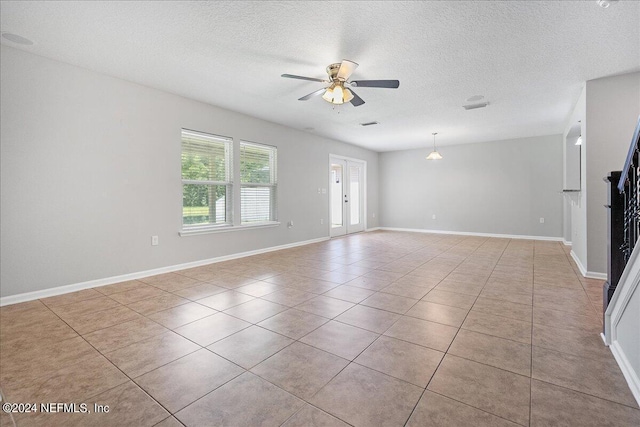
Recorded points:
346,196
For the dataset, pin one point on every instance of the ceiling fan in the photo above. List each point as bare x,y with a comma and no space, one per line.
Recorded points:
336,93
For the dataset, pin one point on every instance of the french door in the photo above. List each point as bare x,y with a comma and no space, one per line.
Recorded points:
346,196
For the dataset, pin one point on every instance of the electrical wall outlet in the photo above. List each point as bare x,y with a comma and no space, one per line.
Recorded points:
541,220
321,221
290,224
154,240
433,216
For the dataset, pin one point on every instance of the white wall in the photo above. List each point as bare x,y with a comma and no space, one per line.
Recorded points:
608,109
576,202
501,187
566,221
572,179
90,170
612,110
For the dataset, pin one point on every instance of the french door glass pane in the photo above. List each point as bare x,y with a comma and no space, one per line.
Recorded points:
354,195
337,193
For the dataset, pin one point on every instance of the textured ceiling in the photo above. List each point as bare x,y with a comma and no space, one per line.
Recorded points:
529,59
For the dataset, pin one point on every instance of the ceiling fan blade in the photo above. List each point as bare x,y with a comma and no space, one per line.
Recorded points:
391,84
312,94
346,69
356,101
313,79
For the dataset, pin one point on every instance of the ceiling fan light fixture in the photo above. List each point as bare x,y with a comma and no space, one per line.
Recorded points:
434,155
339,74
348,96
337,94
328,94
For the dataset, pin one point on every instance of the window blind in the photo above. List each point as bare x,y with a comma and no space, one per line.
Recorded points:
206,157
258,182
206,179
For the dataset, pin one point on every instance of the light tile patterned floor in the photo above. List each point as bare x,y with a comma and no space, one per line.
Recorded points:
380,328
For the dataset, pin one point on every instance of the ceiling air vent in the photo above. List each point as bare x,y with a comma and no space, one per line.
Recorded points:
474,106
369,123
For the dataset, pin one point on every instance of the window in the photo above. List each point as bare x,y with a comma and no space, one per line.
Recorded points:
208,193
207,179
258,183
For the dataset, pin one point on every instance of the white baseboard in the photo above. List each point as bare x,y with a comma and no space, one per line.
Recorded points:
627,370
575,258
469,233
604,339
373,229
566,243
584,271
59,290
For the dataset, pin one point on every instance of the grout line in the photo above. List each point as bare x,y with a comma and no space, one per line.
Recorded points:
379,335
170,417
3,399
118,368
474,407
586,394
454,337
367,251
533,290
185,355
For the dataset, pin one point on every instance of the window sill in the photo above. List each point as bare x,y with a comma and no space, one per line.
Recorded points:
226,228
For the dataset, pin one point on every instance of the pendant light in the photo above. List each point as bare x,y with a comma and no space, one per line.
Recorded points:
434,155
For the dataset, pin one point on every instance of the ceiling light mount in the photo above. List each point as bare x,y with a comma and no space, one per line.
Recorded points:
332,71
605,3
434,155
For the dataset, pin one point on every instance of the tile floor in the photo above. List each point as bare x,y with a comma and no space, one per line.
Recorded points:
380,328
